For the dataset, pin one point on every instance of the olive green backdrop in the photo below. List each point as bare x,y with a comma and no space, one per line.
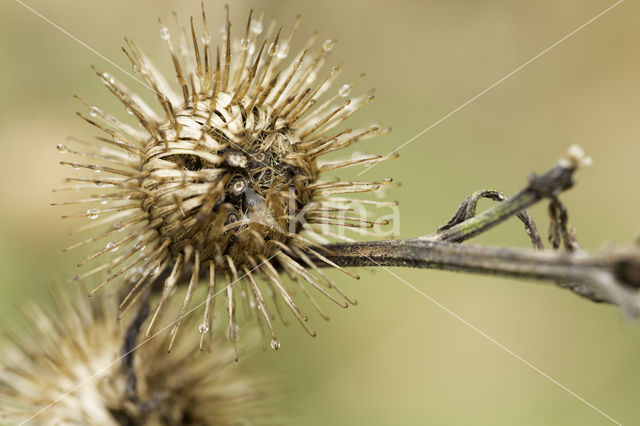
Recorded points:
396,358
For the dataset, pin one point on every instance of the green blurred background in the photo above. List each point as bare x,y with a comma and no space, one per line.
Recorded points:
396,358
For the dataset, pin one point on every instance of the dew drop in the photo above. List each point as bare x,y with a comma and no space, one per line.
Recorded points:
344,90
252,304
328,45
164,33
374,125
352,106
107,78
104,201
139,246
93,111
117,226
136,69
62,148
92,213
275,344
207,39
112,246
244,45
282,50
129,111
203,328
255,27
97,170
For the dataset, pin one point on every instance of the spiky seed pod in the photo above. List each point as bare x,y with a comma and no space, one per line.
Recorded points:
64,367
224,180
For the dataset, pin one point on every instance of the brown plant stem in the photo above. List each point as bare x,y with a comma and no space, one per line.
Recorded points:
610,276
129,347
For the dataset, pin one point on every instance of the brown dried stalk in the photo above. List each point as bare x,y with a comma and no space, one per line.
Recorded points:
611,275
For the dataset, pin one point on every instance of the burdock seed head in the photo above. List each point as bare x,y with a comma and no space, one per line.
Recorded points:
223,178
63,368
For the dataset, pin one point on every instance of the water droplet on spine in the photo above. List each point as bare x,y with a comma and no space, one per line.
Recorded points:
282,51
275,344
112,246
203,328
164,33
92,214
62,148
255,27
344,90
129,111
93,111
328,45
352,106
107,79
104,201
244,45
